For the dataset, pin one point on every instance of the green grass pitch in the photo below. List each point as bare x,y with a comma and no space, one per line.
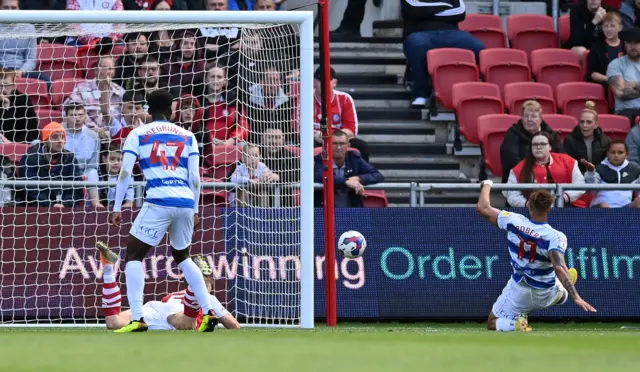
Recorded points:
350,347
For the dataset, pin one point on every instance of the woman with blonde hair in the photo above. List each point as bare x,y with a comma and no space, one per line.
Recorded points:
517,141
587,141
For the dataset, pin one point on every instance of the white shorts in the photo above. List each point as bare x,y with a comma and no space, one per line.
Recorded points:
153,221
155,314
519,299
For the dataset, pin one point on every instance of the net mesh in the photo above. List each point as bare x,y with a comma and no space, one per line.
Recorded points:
234,86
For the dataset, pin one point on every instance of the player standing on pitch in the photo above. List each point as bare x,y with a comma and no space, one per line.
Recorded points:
169,158
540,276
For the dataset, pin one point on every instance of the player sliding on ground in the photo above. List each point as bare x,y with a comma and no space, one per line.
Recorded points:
540,276
176,311
169,159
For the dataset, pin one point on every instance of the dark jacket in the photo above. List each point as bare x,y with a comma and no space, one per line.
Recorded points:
583,32
19,123
354,166
629,14
517,143
599,58
423,17
125,70
34,165
575,146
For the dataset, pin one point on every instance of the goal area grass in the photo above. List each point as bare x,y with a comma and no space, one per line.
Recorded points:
350,347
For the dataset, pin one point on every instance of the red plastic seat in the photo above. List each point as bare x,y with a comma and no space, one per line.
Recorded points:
502,66
529,32
491,130
571,97
487,28
47,116
37,90
59,61
563,124
448,66
615,126
14,151
556,66
61,89
472,100
565,28
515,94
375,199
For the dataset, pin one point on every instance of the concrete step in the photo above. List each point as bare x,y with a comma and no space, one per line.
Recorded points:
367,67
365,58
396,127
350,79
376,91
384,103
397,138
394,45
408,148
362,40
433,162
392,115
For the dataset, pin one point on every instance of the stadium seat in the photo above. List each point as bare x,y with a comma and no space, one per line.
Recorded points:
14,151
615,126
529,32
565,28
375,199
487,28
58,61
448,66
61,89
563,124
472,100
491,130
515,94
556,66
501,66
571,97
36,89
46,116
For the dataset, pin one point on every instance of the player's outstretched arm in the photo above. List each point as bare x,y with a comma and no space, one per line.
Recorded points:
484,203
562,272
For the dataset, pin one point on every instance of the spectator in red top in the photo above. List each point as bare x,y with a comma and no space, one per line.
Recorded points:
224,124
186,65
343,114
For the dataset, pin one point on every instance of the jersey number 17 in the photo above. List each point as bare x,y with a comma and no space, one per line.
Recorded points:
160,156
533,246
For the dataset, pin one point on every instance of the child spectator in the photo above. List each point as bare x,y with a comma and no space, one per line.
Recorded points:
585,21
605,49
109,171
543,166
615,169
253,174
587,141
18,120
85,145
132,110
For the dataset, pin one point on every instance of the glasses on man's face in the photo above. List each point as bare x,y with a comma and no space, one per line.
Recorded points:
340,144
539,144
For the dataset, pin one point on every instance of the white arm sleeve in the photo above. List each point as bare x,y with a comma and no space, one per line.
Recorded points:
194,172
577,178
514,197
124,180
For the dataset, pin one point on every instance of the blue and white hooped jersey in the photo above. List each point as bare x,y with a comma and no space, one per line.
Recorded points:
529,246
163,150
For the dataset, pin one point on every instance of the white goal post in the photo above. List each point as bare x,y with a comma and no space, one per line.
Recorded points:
257,222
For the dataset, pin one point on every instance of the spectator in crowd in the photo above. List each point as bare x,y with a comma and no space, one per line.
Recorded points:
42,5
432,25
94,32
220,43
587,141
614,169
136,5
278,44
189,115
49,161
543,166
254,176
85,146
280,160
98,95
186,66
606,49
223,123
110,171
19,55
351,174
629,10
516,144
269,105
352,18
18,120
270,5
148,80
585,21
343,113
623,76
132,114
161,41
136,51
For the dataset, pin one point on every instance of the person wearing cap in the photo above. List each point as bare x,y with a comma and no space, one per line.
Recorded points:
623,76
49,161
343,113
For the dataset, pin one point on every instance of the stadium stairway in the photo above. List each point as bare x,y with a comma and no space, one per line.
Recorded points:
406,146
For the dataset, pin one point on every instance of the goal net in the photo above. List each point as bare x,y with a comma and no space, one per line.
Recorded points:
71,93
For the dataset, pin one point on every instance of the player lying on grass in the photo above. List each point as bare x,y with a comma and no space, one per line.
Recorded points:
540,276
176,311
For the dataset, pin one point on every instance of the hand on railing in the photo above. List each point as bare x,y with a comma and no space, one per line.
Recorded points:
589,166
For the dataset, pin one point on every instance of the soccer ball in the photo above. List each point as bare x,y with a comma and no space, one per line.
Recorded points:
352,244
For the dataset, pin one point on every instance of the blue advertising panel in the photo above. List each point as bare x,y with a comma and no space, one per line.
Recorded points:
446,263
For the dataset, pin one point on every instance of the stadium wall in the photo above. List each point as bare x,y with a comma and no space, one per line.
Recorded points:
420,263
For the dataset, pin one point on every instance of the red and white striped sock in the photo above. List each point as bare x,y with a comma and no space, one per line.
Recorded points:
111,299
191,305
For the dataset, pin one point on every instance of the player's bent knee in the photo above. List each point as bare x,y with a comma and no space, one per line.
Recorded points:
136,249
179,255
